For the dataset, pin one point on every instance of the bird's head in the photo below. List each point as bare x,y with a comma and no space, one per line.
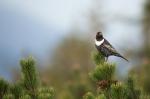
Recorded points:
99,36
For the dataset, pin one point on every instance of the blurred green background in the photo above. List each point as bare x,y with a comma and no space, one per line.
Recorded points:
60,35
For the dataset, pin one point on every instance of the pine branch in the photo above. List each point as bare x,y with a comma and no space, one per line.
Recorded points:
17,90
45,93
118,91
98,58
103,71
133,93
89,95
29,76
8,96
107,86
28,87
4,88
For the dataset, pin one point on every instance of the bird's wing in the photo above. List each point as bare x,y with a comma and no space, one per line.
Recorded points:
107,43
110,47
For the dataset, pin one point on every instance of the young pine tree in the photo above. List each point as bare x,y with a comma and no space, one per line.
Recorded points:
28,87
107,86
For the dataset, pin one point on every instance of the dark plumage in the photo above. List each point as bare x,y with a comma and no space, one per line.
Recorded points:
104,47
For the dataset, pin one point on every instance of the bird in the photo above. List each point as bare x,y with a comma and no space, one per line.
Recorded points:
105,48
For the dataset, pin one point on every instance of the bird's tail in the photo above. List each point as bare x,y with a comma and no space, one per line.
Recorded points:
122,57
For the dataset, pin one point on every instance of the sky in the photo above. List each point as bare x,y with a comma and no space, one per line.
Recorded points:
36,26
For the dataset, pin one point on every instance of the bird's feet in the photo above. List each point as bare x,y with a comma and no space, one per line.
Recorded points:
106,59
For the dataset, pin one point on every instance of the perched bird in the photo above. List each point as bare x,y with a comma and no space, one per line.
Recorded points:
104,47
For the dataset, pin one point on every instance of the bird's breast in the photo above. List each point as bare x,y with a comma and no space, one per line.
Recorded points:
98,43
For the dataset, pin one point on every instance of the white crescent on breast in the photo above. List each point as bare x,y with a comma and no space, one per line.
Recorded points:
98,43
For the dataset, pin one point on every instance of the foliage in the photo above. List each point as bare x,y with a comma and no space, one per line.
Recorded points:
69,67
142,70
107,86
28,87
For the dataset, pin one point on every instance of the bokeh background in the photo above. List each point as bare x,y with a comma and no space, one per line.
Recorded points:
60,35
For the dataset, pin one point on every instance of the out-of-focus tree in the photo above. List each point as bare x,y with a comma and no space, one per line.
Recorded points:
146,31
142,71
69,69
